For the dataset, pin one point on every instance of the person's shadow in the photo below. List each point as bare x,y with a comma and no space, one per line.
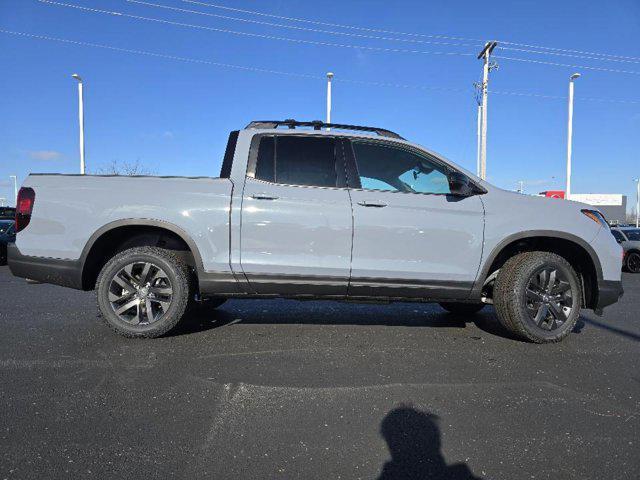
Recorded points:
413,438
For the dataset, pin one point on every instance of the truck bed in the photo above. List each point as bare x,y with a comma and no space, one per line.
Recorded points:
69,209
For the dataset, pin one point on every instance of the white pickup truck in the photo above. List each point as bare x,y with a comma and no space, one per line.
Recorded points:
316,211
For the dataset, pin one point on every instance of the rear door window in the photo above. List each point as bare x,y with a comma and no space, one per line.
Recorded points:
297,160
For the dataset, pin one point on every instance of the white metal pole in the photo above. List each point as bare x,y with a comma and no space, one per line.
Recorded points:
80,120
479,139
570,135
329,78
637,202
15,187
483,147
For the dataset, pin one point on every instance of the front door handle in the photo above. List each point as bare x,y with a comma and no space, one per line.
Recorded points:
263,196
369,203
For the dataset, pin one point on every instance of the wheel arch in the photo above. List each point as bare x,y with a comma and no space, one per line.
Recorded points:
576,250
110,238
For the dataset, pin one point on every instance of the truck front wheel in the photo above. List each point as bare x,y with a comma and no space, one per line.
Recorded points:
538,297
143,292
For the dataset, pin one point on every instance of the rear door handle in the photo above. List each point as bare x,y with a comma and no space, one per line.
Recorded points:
263,196
369,203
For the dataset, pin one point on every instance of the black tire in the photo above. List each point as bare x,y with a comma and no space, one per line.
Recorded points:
166,311
462,308
633,262
520,295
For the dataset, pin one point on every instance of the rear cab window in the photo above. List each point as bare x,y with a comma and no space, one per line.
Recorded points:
298,160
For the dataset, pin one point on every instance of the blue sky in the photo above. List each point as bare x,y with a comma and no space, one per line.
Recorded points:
174,116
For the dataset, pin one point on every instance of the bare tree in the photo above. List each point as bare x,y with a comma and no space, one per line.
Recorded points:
125,168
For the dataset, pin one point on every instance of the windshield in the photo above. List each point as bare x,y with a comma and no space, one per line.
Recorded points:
5,227
633,235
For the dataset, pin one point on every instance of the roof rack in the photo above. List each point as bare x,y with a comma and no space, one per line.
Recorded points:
318,124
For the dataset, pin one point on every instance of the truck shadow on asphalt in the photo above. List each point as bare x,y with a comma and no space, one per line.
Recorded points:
409,315
422,316
414,441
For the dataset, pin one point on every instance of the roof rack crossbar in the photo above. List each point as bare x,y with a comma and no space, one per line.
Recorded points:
318,124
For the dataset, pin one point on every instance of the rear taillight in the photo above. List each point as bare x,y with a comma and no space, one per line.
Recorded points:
24,207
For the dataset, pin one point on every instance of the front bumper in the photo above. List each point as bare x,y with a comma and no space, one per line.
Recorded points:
609,292
67,273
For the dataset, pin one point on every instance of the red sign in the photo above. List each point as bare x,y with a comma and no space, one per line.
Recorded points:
553,193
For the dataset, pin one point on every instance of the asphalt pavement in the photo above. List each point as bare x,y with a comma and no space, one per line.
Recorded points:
286,389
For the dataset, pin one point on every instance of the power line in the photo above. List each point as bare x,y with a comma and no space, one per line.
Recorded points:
562,54
248,34
312,42
161,55
285,73
305,29
328,24
584,67
378,30
554,49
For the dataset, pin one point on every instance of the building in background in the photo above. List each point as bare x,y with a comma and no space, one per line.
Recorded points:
612,205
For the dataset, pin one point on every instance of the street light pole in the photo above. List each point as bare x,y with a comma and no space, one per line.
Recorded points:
329,78
80,120
15,187
570,135
637,180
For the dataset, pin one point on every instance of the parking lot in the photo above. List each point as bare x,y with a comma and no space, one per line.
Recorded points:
286,389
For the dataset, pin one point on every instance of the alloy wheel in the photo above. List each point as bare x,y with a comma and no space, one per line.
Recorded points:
549,298
140,293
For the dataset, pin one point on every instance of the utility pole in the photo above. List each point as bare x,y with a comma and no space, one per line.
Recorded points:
80,120
15,187
479,131
570,135
637,180
487,67
329,78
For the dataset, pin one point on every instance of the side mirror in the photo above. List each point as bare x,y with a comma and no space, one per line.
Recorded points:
460,185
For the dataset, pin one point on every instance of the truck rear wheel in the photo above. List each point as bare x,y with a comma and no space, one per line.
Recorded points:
537,296
143,292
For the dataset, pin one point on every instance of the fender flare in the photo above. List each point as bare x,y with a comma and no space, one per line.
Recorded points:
486,264
145,222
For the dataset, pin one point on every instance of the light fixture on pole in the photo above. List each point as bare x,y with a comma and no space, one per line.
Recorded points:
80,120
329,78
15,187
637,180
570,135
